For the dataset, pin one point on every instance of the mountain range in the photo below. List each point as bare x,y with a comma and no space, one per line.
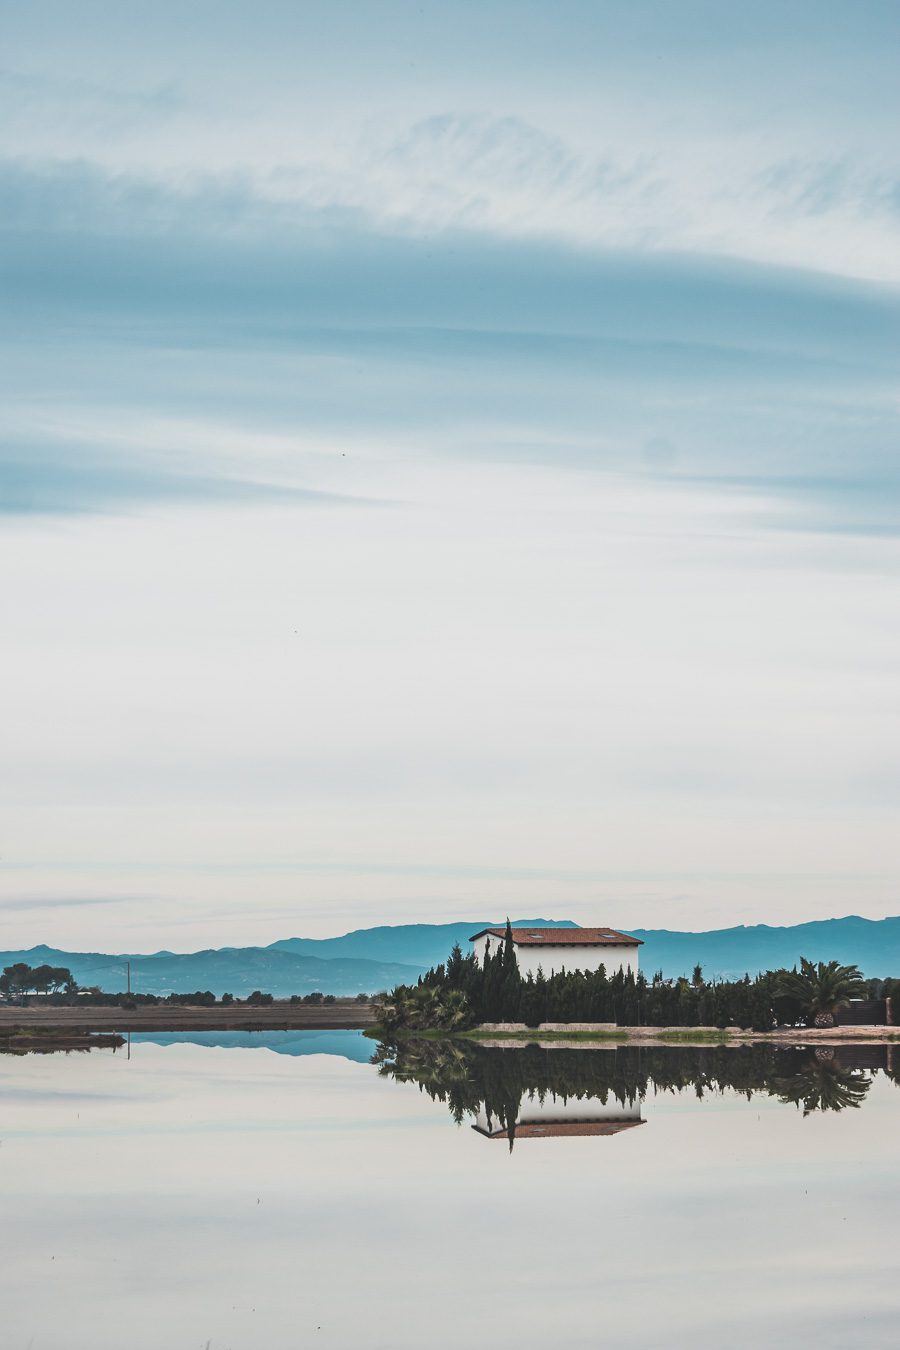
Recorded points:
360,962
370,959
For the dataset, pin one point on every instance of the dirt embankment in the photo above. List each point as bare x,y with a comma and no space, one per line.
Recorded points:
342,1014
490,1035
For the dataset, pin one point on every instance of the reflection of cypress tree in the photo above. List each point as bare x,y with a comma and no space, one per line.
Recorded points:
467,1076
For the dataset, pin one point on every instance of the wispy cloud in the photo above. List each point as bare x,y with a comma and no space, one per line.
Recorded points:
638,132
28,903
59,479
210,302
607,297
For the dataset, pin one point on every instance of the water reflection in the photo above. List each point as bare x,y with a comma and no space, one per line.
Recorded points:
17,1041
530,1092
243,1200
349,1044
825,1083
558,1118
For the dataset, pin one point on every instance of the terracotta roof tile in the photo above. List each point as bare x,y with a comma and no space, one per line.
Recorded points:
569,1129
564,937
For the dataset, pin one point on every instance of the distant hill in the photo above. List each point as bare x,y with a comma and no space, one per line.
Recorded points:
871,944
237,970
415,944
361,962
350,1045
370,959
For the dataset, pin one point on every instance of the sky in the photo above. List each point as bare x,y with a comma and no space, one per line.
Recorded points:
448,466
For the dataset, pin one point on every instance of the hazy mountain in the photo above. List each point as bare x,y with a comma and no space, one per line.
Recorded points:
239,970
360,962
871,944
351,1045
414,944
370,959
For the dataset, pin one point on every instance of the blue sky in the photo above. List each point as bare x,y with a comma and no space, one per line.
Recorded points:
448,466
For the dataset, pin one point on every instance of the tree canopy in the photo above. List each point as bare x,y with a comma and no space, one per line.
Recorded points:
461,993
20,978
821,988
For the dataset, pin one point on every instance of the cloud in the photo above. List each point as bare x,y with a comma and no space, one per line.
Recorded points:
63,479
637,132
98,105
475,170
217,248
850,503
581,298
26,903
130,301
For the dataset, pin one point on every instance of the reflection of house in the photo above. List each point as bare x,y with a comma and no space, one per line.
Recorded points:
852,1057
554,949
558,1118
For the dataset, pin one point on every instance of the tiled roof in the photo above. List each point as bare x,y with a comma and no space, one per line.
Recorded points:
568,1129
563,937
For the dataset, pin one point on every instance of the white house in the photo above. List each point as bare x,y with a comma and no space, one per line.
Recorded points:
563,1118
555,949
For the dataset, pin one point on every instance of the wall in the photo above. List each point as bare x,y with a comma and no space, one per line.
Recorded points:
535,1112
863,1013
552,959
549,1026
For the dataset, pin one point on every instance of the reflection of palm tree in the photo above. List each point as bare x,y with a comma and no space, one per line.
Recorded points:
820,989
421,1061
822,1085
471,1078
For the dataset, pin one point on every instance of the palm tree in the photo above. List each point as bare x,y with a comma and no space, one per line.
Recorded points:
422,1007
821,988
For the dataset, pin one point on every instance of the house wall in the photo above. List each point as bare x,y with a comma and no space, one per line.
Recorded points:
535,1112
553,959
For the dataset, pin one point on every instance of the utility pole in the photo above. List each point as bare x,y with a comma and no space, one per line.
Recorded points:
128,965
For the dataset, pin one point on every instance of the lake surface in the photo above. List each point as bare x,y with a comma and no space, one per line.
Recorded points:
278,1191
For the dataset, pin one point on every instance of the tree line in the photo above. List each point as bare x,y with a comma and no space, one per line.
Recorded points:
462,992
21,979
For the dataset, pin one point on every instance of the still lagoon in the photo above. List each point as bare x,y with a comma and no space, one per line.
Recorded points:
278,1191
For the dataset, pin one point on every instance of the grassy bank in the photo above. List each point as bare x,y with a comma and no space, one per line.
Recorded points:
656,1035
693,1035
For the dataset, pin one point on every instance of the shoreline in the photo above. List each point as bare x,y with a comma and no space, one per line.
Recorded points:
348,1015
696,1036
649,1036
50,1040
343,1015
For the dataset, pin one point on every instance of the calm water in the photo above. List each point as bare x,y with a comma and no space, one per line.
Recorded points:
278,1191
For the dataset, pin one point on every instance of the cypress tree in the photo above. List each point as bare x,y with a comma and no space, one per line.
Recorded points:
540,998
509,951
510,981
455,967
